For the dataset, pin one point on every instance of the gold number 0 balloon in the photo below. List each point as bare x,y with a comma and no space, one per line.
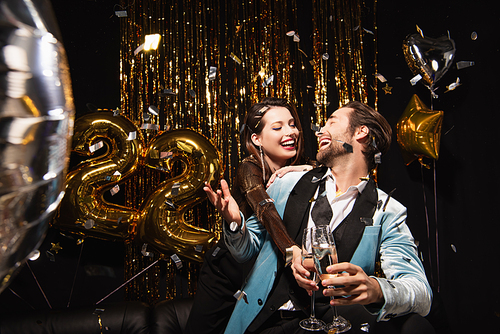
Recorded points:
161,222
83,209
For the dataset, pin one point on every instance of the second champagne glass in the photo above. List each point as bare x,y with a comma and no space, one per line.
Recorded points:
325,254
311,323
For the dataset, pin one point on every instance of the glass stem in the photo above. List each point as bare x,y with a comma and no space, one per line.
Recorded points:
313,300
334,309
313,312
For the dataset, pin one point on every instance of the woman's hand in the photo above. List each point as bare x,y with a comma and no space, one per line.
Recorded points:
283,170
224,202
302,275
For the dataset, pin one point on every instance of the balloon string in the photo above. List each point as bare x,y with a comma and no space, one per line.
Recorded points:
427,223
128,281
437,232
76,272
15,294
37,283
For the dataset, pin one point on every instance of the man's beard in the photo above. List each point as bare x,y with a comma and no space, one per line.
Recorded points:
328,155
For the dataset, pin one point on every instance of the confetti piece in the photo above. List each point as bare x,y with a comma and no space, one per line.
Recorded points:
153,110
235,58
175,188
138,49
166,155
115,190
132,135
380,77
168,92
268,81
176,260
145,252
464,64
368,31
96,146
51,256
198,248
149,126
170,204
212,73
34,255
453,85
415,79
55,247
89,223
420,31
365,327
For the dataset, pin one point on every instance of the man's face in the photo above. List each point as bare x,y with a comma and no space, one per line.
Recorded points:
332,137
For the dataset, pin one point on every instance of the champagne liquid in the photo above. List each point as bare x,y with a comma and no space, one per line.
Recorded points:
308,263
324,257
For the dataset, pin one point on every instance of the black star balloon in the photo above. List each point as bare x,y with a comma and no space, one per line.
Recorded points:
419,131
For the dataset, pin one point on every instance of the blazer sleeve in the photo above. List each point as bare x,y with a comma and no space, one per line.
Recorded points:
405,286
249,179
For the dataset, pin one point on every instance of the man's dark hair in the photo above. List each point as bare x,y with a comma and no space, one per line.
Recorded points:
379,138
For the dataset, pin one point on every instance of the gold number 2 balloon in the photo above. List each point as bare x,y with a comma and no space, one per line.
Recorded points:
161,222
83,209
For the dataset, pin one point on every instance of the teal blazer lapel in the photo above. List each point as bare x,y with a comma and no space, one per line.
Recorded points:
348,234
299,201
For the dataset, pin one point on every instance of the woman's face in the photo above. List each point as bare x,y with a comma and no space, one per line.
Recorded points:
278,137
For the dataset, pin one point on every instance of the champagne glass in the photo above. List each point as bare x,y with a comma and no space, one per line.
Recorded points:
325,254
311,323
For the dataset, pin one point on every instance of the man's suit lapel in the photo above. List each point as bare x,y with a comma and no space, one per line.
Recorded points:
348,234
299,201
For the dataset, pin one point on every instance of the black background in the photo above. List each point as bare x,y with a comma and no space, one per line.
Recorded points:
463,182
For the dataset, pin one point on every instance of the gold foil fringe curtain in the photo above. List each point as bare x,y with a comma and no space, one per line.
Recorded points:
214,60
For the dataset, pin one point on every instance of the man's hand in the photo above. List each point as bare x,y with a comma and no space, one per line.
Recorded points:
224,202
353,284
304,276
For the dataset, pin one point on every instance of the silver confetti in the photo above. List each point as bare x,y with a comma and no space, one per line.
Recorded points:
89,223
132,135
365,327
176,260
175,188
149,126
145,252
153,110
212,73
96,146
464,64
415,79
453,248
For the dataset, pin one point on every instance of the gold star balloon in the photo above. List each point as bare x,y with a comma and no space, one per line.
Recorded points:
419,131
